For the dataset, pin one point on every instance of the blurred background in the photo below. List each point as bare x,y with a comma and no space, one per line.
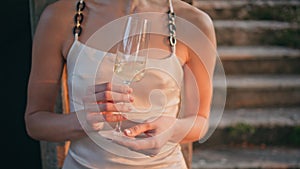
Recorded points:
258,42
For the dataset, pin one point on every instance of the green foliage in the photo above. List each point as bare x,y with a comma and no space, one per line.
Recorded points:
241,130
294,136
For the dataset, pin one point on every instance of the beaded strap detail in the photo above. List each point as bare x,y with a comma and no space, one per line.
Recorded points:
78,18
172,27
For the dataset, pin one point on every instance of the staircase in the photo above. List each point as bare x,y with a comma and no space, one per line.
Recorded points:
258,42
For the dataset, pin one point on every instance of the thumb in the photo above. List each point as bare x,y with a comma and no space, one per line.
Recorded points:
138,129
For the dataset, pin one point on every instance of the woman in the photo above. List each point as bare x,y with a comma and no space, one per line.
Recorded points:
55,42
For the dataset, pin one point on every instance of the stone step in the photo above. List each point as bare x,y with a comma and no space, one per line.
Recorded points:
257,126
248,33
282,10
262,91
226,157
259,59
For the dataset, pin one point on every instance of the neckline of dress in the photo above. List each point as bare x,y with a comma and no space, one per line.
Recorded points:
170,56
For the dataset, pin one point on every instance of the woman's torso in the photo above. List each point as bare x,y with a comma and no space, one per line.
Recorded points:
165,74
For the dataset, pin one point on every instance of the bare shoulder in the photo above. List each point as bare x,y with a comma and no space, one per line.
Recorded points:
56,23
59,9
57,16
197,17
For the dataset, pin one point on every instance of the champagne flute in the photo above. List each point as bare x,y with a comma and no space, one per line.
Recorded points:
132,53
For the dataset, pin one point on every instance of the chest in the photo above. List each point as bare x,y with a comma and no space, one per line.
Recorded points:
100,29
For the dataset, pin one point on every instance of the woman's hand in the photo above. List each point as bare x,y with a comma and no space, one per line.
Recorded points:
149,137
103,102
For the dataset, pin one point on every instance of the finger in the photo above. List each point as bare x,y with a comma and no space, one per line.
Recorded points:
138,129
109,87
94,117
91,106
108,96
107,107
113,97
104,116
110,117
111,107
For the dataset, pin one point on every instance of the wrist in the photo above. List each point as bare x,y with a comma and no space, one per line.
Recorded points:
76,130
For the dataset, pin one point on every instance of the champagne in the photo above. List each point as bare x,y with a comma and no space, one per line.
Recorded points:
131,71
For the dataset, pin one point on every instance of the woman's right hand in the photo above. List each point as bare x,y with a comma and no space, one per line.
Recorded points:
104,101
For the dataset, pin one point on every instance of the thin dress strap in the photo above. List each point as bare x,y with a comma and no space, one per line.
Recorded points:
171,6
78,19
172,27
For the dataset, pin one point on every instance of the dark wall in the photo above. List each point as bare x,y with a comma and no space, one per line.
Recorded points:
16,58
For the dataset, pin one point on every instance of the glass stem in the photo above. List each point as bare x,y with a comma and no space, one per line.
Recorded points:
119,123
118,126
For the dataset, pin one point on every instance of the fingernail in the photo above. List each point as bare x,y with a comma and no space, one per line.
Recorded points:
124,116
127,132
131,98
129,90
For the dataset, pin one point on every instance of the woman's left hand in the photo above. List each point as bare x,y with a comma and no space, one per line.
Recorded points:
156,134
